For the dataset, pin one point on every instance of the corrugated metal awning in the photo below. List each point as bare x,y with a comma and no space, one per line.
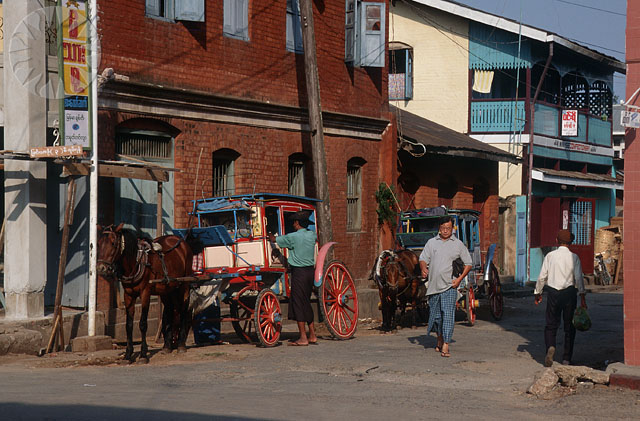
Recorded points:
576,178
439,139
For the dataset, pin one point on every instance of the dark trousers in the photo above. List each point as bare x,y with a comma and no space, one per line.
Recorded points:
300,298
561,303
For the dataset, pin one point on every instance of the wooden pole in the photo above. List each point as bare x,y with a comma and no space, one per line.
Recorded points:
159,227
325,231
62,265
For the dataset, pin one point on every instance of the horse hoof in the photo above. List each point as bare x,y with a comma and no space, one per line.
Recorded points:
182,349
166,350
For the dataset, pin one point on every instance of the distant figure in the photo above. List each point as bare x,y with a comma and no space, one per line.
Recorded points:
561,273
301,244
436,262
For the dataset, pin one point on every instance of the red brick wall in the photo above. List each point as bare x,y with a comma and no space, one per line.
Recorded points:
196,55
632,198
465,172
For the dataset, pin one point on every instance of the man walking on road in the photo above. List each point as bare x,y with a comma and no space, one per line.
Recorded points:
436,261
561,273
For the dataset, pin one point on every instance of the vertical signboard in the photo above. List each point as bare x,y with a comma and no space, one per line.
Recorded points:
75,68
569,123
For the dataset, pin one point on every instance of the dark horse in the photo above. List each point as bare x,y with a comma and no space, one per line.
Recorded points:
134,262
397,274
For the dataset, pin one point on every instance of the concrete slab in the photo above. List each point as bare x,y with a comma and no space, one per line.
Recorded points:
91,343
623,375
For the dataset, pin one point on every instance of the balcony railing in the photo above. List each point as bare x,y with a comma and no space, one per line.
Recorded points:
497,116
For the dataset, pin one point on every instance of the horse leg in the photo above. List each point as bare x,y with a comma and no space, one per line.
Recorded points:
145,299
185,318
130,306
393,308
167,323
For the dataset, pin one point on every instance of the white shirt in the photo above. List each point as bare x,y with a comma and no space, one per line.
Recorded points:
561,269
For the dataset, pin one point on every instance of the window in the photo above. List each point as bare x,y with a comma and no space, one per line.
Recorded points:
296,174
187,10
365,33
224,172
400,73
294,29
144,145
354,194
236,19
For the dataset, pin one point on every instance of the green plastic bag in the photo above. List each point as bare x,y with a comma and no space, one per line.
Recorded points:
581,319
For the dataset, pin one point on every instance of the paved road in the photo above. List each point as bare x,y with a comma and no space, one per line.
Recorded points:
373,376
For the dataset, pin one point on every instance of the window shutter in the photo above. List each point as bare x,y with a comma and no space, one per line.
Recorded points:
243,22
408,84
228,24
372,30
294,30
350,33
152,7
189,10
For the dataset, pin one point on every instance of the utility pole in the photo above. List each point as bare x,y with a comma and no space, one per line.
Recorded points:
325,231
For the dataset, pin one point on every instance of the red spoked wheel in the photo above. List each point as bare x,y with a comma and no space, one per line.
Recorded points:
268,318
496,300
470,305
242,309
339,301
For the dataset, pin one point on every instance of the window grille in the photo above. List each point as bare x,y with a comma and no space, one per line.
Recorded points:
354,193
223,175
296,178
581,222
144,146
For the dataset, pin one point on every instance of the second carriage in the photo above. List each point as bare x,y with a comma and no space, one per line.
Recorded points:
418,226
237,262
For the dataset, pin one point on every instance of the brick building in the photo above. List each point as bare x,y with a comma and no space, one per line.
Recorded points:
632,196
219,94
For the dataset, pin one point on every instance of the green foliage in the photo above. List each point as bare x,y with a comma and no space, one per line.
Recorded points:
385,197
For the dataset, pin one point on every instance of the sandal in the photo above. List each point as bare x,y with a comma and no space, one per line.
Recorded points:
445,354
296,344
438,348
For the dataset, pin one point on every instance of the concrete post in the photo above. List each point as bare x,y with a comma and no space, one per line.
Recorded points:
25,126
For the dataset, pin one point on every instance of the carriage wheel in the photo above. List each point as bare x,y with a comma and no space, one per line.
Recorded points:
339,302
496,301
268,318
470,306
244,327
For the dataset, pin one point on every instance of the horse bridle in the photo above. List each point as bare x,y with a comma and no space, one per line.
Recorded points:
119,251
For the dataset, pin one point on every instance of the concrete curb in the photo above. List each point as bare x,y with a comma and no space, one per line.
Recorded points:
628,382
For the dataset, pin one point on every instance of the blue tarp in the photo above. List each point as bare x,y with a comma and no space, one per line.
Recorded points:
216,235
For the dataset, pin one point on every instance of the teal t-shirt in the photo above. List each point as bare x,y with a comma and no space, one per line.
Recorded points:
301,245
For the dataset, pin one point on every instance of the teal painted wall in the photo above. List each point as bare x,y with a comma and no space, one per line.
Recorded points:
537,257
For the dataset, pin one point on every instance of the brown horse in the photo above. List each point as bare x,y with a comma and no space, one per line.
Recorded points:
134,262
397,274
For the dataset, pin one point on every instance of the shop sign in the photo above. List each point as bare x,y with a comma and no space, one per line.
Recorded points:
569,123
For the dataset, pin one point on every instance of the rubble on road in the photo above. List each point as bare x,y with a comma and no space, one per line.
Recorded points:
562,380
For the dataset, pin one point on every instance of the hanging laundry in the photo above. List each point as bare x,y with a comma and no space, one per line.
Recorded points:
482,80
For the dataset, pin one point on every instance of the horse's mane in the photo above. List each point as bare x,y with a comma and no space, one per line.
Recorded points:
130,242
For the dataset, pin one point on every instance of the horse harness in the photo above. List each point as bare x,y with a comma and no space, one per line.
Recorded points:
386,258
144,247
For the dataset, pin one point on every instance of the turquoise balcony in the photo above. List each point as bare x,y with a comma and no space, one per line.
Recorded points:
497,116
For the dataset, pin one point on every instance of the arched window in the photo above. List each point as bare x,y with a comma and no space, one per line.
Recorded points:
600,99
575,91
550,89
224,172
354,194
297,165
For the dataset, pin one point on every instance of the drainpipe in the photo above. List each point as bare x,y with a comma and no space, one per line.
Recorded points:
532,107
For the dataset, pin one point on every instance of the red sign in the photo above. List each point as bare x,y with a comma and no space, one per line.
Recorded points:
569,123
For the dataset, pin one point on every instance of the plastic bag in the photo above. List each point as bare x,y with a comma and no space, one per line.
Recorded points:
581,319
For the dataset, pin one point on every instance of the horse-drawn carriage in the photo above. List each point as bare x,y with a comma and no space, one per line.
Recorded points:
418,226
238,261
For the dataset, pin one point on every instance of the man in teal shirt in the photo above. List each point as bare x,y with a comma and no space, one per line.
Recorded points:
301,244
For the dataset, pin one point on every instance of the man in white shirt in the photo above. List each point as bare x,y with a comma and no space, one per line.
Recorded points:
561,276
